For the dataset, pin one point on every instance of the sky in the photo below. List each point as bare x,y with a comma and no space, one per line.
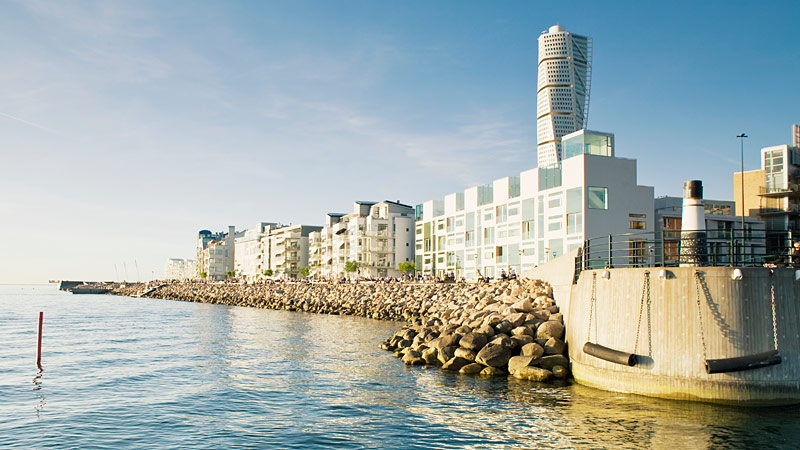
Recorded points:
126,127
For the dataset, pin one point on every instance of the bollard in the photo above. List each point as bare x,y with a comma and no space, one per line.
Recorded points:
39,350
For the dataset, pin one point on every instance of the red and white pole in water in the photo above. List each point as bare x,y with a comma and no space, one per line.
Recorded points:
39,351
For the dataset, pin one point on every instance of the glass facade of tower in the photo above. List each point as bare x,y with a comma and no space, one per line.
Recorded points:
564,80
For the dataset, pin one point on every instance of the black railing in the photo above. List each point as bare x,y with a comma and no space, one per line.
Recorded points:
672,248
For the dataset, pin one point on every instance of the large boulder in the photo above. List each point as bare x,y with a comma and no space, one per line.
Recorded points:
448,340
516,319
446,354
431,356
503,327
555,346
523,306
550,329
455,364
471,369
490,371
533,374
548,362
467,354
485,330
473,341
413,358
517,362
532,349
494,355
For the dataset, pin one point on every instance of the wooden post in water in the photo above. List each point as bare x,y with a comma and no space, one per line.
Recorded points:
39,350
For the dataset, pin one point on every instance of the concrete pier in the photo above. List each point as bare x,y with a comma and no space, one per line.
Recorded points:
675,336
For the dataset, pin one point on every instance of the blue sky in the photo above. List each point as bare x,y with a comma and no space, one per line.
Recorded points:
125,127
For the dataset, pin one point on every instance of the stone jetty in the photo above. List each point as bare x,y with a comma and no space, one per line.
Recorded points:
506,327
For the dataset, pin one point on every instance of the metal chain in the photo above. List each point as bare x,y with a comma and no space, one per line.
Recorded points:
591,307
649,322
699,314
774,316
645,290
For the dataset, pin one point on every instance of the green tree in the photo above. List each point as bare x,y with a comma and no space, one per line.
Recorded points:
407,266
268,273
304,271
230,274
203,274
351,266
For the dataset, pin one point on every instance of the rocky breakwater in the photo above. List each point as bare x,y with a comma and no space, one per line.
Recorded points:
407,302
499,329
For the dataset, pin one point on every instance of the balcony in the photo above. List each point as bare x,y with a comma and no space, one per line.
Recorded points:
791,209
791,190
381,249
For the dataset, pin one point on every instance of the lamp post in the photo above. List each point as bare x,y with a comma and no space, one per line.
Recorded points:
741,155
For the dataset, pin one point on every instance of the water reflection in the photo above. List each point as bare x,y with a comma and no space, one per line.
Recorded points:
37,386
189,375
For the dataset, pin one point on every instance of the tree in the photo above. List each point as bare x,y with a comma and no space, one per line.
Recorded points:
268,273
304,271
203,274
351,266
230,274
407,266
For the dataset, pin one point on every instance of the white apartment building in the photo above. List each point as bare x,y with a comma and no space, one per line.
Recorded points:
285,250
179,269
248,262
215,254
564,82
522,221
379,236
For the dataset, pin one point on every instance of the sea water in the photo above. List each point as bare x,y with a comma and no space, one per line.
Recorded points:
144,373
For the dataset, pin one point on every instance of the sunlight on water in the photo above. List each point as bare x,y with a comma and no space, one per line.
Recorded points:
143,373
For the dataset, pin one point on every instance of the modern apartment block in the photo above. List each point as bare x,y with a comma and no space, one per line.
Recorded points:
773,192
215,254
378,236
249,263
564,82
522,221
179,269
285,250
795,135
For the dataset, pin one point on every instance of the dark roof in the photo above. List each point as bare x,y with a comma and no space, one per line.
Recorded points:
361,202
337,214
398,203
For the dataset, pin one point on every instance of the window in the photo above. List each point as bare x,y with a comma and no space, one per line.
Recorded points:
528,230
554,203
574,223
488,235
501,258
555,226
597,197
501,213
637,225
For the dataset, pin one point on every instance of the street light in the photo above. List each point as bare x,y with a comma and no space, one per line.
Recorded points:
741,154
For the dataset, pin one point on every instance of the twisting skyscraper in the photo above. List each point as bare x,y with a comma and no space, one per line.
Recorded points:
562,100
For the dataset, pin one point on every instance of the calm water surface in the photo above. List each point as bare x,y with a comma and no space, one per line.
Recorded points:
143,373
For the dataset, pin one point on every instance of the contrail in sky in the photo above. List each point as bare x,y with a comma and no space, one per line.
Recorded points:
29,123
